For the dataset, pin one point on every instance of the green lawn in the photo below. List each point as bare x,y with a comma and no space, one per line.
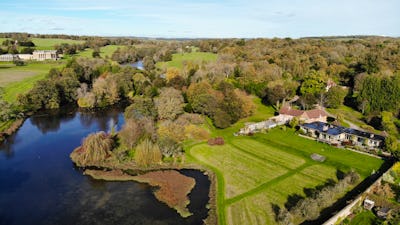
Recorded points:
255,172
179,58
48,43
105,51
19,79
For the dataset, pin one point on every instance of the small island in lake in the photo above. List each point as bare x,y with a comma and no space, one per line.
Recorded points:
99,150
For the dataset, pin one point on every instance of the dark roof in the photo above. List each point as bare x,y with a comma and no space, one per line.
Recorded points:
336,130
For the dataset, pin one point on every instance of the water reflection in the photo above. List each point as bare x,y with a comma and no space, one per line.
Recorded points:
6,146
49,121
101,118
40,185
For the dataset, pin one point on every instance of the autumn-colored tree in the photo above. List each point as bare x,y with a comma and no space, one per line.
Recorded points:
169,103
171,73
95,148
147,153
171,130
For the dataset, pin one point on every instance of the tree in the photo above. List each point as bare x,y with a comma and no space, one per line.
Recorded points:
18,62
314,83
27,50
221,119
141,107
169,103
171,73
130,133
169,147
95,148
203,98
335,97
96,53
392,145
148,63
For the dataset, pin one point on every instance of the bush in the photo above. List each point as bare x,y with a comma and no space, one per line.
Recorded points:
147,153
216,141
95,148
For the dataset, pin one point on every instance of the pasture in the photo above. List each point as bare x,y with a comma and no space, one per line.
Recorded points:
255,172
19,79
48,43
105,51
178,59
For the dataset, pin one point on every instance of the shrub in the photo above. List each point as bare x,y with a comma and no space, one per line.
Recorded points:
169,147
195,132
216,141
95,148
147,153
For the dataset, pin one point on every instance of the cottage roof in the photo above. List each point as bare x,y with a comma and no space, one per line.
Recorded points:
315,113
336,130
287,110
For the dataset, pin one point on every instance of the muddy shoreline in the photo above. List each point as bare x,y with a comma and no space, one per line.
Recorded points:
129,170
11,130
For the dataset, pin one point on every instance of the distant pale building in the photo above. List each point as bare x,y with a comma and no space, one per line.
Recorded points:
36,55
25,57
45,55
8,57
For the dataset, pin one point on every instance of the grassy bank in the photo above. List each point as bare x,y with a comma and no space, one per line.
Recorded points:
255,172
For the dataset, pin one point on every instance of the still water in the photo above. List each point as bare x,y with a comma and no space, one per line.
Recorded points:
40,185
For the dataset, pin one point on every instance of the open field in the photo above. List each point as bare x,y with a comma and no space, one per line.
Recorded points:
105,51
48,43
19,79
178,59
255,172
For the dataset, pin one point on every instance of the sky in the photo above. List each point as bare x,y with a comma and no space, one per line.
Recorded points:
202,18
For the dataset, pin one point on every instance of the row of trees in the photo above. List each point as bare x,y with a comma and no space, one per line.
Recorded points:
309,208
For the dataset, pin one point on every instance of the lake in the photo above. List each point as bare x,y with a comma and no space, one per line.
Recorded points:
40,185
137,64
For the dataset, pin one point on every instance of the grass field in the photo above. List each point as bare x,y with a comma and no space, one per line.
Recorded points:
105,51
255,172
48,43
19,79
178,59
